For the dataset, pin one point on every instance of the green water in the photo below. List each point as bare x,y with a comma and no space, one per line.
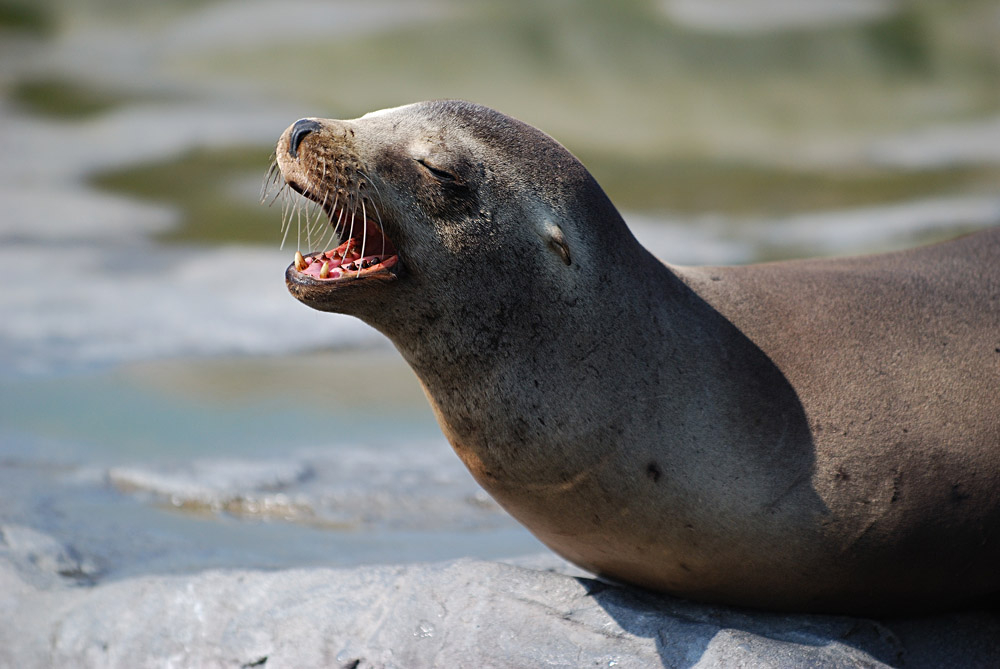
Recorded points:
250,407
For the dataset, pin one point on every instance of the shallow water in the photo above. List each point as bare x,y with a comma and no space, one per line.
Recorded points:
168,407
189,464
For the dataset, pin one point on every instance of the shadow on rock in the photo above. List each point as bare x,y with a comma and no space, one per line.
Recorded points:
688,634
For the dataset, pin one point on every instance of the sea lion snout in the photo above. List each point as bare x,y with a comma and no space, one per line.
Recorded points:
299,130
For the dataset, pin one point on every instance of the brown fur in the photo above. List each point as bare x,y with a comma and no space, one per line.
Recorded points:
814,435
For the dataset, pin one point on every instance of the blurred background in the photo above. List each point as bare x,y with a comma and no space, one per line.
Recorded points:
167,406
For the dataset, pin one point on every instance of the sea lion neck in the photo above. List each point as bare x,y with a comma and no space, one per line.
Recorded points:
507,370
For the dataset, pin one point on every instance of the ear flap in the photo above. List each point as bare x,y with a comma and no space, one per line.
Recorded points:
553,236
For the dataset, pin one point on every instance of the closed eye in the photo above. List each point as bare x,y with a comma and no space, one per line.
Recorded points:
438,173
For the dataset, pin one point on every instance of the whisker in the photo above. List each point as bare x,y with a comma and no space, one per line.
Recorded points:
364,235
350,235
339,228
333,209
311,213
322,219
378,215
270,178
286,208
331,244
302,211
319,219
377,193
378,220
297,212
286,226
371,183
280,191
321,209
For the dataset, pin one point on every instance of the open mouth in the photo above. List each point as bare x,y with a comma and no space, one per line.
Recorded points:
358,257
325,172
364,251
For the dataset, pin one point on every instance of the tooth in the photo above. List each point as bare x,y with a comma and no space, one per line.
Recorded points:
300,262
324,272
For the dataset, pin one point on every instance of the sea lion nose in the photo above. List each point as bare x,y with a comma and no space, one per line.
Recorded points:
300,129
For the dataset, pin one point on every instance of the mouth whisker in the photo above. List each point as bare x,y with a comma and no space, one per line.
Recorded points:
378,216
276,195
286,220
303,212
286,208
270,179
364,234
316,222
298,224
307,215
339,228
378,221
284,235
314,226
350,235
336,221
371,183
333,237
334,217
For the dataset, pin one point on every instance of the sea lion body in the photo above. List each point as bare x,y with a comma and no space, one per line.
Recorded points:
814,435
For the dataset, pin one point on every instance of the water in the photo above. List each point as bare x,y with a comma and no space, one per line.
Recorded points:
193,463
158,409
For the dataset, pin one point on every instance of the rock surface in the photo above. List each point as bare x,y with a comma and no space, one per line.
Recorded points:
456,614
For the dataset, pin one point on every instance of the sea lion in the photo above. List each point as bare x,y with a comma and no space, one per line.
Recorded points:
816,435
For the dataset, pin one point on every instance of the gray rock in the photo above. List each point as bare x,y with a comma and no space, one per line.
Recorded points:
42,560
464,613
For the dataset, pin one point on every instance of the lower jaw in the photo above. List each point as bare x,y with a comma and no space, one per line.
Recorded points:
338,294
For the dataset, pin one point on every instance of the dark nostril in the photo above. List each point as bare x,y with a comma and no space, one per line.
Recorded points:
301,128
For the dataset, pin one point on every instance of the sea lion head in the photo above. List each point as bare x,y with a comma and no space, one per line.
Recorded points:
440,205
